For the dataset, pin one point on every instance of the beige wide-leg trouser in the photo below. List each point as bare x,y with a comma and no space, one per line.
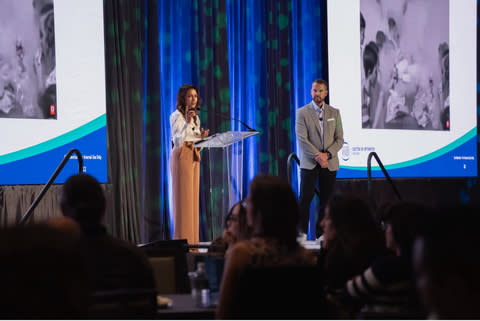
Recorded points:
185,170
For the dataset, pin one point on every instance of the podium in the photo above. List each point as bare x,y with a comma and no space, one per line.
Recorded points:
225,162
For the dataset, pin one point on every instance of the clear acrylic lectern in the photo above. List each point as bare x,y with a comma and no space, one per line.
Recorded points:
225,162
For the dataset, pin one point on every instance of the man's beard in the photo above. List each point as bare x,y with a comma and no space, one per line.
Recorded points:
318,100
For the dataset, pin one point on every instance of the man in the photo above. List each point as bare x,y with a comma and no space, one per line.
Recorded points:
318,127
112,264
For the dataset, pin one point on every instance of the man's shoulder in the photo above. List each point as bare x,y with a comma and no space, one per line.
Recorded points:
332,108
115,263
303,108
115,247
125,245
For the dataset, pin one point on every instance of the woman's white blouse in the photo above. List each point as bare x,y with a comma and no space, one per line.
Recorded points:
183,132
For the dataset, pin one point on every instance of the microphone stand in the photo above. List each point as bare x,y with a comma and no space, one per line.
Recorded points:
228,118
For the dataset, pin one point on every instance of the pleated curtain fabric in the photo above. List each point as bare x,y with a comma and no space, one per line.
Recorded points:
124,43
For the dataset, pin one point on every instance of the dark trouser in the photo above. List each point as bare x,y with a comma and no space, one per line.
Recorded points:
326,182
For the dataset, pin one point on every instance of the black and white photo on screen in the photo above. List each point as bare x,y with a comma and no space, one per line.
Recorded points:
27,59
405,79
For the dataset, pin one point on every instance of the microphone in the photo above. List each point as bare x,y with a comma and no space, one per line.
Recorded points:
228,118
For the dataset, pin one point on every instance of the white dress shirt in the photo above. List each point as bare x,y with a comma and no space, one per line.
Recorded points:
319,111
183,132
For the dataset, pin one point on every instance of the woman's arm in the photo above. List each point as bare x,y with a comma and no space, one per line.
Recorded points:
178,126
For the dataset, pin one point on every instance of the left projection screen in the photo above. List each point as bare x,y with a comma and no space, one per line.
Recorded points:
52,89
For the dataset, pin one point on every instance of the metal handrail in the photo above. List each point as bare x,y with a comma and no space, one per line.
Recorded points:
39,197
289,166
369,173
289,170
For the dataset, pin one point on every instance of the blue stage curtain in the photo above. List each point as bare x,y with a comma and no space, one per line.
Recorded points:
193,49
155,165
246,39
213,81
176,66
269,52
275,53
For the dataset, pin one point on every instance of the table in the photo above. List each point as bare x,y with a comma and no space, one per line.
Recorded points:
183,307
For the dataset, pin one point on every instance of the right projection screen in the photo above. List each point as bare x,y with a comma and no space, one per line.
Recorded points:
403,74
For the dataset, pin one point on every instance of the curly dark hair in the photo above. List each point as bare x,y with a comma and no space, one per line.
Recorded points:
182,93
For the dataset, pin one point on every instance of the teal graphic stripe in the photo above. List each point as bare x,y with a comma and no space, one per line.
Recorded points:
462,140
64,139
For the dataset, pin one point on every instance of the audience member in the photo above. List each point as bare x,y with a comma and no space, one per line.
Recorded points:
235,229
42,274
386,287
272,212
67,225
351,241
447,262
112,264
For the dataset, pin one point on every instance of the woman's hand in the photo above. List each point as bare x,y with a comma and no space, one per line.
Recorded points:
204,132
229,237
190,112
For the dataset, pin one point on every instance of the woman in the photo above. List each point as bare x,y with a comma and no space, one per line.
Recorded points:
386,289
235,229
185,163
272,212
351,241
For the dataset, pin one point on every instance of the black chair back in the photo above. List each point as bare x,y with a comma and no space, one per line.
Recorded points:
282,292
177,249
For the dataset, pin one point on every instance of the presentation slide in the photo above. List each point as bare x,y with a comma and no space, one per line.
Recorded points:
403,74
52,89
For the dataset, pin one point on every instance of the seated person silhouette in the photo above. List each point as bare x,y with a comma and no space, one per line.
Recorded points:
272,250
42,274
235,229
112,264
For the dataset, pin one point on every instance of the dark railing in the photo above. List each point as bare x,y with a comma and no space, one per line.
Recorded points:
39,197
289,170
289,166
369,172
293,157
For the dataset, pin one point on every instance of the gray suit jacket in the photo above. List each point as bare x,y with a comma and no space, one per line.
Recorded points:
307,129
